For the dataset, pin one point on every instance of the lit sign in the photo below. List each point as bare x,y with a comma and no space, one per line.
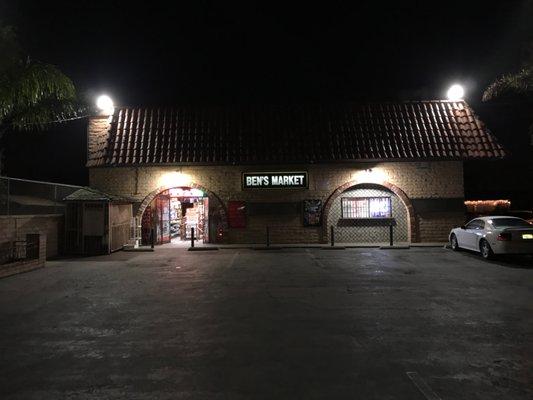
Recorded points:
185,192
274,180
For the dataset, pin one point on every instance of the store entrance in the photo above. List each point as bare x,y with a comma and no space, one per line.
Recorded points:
171,214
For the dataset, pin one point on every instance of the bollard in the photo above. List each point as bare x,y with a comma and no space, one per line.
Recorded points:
391,241
268,237
332,237
192,237
152,238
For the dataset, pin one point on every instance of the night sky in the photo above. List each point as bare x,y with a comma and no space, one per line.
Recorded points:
222,52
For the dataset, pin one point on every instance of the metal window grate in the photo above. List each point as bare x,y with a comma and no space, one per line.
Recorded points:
366,207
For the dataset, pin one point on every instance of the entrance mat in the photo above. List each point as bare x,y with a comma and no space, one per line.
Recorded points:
202,248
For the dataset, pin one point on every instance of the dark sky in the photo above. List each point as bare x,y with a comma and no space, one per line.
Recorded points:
225,52
212,52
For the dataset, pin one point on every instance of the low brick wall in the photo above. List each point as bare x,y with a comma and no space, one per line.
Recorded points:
19,267
16,227
435,227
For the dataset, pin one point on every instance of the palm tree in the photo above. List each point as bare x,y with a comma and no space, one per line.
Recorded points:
32,94
516,83
519,83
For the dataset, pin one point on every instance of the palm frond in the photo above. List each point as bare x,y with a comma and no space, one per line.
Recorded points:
38,116
32,93
519,83
32,84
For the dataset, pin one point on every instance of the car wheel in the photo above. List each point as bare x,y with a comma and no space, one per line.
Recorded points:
454,243
486,251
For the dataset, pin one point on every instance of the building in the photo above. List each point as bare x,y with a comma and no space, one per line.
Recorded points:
299,170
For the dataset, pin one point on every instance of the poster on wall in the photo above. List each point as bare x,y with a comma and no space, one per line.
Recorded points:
312,212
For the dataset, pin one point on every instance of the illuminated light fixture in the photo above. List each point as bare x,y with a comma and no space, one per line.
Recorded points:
371,175
455,92
105,104
174,179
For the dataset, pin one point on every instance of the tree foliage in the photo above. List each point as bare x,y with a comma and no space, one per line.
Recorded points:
520,83
32,93
517,83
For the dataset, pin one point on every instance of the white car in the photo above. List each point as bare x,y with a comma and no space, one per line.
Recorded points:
494,235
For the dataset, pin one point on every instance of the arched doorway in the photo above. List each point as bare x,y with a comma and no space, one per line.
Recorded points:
363,212
169,213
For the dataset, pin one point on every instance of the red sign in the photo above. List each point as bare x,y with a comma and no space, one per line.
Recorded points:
237,214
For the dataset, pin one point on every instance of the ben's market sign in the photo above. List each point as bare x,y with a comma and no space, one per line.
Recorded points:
274,180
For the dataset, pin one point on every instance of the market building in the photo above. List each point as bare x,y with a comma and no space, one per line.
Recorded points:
231,172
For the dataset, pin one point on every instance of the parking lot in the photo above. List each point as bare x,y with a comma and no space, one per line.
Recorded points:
424,323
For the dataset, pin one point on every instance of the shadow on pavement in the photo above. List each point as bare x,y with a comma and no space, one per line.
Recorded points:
508,260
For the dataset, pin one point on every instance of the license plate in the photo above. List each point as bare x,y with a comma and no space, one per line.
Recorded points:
527,236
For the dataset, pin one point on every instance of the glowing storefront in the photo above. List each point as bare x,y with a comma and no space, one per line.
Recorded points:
299,170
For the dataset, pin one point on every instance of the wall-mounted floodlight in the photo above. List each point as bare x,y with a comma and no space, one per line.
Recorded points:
455,92
105,104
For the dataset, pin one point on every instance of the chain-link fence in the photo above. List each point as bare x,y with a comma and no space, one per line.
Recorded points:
364,215
26,197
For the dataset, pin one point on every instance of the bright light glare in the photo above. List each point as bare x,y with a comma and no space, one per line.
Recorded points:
105,103
455,92
174,179
371,175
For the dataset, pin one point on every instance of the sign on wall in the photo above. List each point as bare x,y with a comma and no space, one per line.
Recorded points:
237,214
274,180
312,212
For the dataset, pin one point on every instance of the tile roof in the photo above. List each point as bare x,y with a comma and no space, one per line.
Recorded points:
289,134
90,194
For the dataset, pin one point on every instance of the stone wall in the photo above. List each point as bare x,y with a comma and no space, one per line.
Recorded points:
418,180
16,227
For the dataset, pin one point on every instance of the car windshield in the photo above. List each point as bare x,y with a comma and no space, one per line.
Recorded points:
510,222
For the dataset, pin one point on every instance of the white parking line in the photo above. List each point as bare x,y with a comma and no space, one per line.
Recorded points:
422,386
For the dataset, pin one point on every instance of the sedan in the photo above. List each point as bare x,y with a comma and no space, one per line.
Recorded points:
494,235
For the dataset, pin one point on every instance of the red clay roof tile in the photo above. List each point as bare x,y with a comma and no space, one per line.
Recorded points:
303,134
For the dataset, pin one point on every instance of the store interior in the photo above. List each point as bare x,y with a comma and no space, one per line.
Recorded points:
173,215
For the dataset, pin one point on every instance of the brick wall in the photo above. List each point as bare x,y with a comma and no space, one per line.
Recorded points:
435,227
368,231
19,267
16,227
419,180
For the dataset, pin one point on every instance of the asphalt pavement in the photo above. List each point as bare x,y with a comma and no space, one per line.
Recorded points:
424,323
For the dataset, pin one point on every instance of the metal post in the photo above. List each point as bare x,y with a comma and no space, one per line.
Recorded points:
55,199
268,237
332,235
192,236
8,195
152,237
391,241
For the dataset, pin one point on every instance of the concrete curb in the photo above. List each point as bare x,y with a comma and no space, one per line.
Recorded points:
333,248
202,248
394,247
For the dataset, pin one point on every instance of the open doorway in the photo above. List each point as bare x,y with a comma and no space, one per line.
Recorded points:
173,214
